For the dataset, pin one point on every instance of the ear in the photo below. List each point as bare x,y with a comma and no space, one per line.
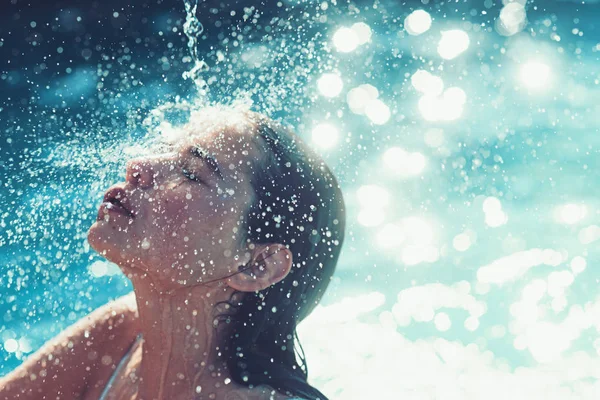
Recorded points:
270,264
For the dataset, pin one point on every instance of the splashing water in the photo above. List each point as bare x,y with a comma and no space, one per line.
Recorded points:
193,29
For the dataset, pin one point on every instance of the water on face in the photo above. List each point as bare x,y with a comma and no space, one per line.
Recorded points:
463,135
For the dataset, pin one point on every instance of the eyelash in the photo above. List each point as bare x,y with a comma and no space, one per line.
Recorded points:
197,150
191,176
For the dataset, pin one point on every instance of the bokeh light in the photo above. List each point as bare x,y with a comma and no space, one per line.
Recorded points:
417,22
373,200
330,84
462,242
370,196
453,43
427,83
377,111
325,135
578,264
363,32
447,107
512,19
403,163
494,214
570,214
390,236
346,40
535,75
359,97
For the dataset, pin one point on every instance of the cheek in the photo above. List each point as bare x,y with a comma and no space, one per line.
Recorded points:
174,213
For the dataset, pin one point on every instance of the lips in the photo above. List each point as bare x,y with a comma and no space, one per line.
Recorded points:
116,196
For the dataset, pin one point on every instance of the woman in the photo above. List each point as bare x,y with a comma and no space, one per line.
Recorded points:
230,239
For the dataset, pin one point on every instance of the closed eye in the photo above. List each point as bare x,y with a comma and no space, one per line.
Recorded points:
191,175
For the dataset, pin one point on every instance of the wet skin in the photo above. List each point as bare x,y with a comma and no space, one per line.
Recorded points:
180,229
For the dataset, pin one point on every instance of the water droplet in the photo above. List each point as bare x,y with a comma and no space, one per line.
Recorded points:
145,244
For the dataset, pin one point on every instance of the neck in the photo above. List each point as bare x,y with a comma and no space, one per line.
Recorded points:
180,356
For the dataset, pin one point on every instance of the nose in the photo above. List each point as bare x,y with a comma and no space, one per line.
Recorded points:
139,172
143,172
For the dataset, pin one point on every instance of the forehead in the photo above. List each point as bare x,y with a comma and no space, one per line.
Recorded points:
232,147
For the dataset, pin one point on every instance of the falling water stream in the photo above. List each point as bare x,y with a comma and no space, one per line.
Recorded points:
193,29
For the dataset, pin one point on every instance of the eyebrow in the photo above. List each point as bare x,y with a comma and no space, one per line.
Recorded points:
202,154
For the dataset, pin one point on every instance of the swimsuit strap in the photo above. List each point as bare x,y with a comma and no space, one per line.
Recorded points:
120,367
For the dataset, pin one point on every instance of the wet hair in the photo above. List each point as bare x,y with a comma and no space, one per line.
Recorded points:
298,203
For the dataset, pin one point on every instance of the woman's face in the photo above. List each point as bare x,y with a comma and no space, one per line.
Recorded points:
183,210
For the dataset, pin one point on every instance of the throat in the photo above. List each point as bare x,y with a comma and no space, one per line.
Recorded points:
182,356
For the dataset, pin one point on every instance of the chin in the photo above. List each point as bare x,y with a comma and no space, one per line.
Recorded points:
104,242
99,236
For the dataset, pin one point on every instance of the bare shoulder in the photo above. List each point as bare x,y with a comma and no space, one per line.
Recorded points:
116,326
67,363
121,311
113,322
